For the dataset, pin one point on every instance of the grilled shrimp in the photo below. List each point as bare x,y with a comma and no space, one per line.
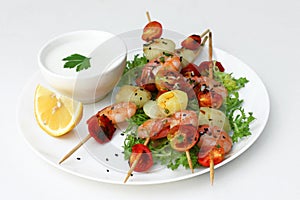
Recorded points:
119,112
155,128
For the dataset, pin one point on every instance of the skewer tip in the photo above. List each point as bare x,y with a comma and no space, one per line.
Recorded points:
212,170
75,148
148,16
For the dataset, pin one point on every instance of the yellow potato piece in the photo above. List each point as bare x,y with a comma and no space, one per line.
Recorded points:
152,110
213,117
134,94
172,101
55,114
156,47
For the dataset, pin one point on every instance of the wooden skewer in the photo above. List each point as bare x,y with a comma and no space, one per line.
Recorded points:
135,162
75,148
148,16
211,156
189,160
198,52
210,52
204,33
211,168
204,41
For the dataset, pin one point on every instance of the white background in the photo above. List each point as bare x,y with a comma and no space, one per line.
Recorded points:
263,34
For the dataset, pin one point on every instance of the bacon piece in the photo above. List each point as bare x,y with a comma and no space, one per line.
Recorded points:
211,137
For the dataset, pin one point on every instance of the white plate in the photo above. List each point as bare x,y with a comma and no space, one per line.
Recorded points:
105,163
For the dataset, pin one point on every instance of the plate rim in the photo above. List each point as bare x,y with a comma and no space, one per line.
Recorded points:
147,182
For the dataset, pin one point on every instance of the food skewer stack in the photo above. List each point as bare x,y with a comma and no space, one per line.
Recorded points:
152,28
176,126
138,157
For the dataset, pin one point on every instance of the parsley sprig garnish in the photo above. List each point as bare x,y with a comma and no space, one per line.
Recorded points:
77,61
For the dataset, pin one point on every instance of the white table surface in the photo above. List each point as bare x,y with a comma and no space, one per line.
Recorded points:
264,34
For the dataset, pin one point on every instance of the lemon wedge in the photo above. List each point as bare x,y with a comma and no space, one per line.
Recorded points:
56,114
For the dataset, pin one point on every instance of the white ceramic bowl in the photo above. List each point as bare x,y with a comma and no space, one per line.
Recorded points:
108,58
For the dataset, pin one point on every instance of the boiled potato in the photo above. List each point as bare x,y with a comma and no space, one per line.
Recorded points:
187,55
213,117
153,111
172,101
155,48
134,94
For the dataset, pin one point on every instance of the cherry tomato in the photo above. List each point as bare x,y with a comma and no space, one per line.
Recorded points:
209,99
192,42
152,30
183,137
101,128
190,70
145,161
216,153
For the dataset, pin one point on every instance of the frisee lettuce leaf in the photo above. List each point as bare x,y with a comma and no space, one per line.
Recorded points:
239,119
136,62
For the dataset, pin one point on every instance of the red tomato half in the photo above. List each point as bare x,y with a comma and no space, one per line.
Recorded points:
101,128
145,161
192,42
217,154
183,137
152,30
190,70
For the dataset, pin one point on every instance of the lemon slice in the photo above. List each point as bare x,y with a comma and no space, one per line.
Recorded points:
56,114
